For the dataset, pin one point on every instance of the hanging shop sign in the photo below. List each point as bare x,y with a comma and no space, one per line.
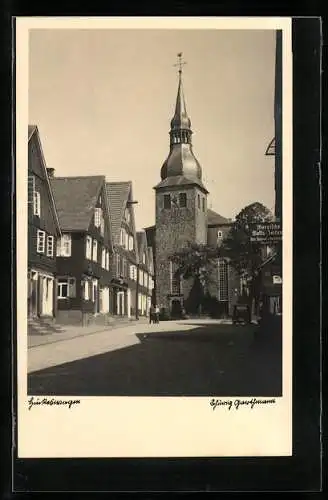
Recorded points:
277,280
266,232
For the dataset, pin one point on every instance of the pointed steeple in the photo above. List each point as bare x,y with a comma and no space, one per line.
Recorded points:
181,161
180,119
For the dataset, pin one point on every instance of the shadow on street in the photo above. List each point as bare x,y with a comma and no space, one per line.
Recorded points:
219,360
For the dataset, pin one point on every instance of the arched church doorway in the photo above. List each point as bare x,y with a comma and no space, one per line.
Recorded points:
176,309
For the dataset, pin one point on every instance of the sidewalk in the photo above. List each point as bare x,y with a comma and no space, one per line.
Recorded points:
67,332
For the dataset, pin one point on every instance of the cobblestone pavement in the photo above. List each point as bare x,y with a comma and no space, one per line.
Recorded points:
170,359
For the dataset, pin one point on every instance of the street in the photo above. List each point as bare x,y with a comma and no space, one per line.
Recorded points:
170,360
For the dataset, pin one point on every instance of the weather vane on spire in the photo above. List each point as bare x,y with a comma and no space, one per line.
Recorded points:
180,62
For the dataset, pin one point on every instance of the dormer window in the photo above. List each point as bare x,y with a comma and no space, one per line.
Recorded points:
98,217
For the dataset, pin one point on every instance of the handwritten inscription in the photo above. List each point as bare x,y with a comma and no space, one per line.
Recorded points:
237,403
69,403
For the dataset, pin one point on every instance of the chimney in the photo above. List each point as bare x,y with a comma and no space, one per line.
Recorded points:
51,172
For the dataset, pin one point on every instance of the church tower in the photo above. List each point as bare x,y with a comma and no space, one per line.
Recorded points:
181,207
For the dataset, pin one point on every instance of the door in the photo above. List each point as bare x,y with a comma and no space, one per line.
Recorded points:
96,298
176,309
34,294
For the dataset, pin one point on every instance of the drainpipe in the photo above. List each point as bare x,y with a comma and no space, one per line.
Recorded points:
137,293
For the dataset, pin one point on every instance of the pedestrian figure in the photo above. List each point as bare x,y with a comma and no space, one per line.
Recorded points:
152,314
156,314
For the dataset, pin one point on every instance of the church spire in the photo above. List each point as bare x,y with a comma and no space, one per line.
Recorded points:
181,161
180,123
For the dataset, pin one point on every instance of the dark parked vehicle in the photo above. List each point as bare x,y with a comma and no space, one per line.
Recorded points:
241,314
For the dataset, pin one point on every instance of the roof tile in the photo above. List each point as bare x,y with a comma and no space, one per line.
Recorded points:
75,199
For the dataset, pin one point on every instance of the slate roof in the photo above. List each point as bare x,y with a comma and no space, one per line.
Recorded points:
117,196
75,199
214,218
180,180
31,130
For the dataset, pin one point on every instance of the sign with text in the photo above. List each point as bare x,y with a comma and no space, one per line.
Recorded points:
266,232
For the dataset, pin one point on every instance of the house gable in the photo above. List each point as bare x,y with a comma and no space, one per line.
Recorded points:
120,198
38,171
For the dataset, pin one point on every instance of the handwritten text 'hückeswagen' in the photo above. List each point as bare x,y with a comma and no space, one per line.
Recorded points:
52,402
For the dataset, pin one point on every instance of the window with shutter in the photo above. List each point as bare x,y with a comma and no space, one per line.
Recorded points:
65,247
103,258
88,247
40,243
95,251
50,246
31,189
98,214
37,203
66,288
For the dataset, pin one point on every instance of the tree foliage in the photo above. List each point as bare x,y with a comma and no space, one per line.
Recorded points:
244,255
196,261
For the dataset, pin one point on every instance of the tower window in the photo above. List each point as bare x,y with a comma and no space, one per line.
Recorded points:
203,204
198,197
182,199
167,201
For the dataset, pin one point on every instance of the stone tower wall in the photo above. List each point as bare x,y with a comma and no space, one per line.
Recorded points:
175,228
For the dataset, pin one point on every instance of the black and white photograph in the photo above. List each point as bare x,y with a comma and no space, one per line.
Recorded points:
156,233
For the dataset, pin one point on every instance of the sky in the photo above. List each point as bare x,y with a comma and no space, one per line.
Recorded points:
103,101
